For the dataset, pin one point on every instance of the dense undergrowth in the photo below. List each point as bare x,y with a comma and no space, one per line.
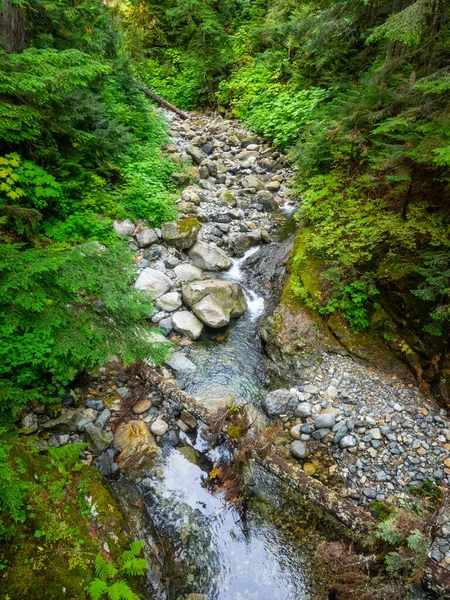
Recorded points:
79,146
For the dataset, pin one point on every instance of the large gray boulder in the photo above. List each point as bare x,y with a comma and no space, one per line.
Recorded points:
279,402
180,234
154,282
241,242
186,272
65,423
169,302
215,301
187,324
124,228
146,237
179,362
209,257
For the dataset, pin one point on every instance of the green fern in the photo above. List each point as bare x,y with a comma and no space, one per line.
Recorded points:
97,588
67,456
103,569
121,591
108,582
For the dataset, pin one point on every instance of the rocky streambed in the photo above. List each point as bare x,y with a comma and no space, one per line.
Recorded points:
366,435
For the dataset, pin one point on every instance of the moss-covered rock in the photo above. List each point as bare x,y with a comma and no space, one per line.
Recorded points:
181,234
70,517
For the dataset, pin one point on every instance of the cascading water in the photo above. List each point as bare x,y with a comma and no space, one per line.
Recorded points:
232,361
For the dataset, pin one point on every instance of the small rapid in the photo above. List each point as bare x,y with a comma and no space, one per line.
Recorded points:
231,361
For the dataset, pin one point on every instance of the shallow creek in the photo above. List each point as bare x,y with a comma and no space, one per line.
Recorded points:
265,553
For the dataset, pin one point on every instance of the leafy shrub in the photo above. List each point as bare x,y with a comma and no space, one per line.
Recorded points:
270,107
404,530
79,227
12,492
63,312
146,193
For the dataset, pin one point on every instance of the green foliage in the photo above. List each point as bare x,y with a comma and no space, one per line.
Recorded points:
108,583
58,310
12,492
270,107
404,530
146,192
436,289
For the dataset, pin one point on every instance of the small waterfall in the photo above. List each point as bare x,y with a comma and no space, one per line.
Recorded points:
234,273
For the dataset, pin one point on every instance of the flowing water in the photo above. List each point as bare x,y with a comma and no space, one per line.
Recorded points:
265,553
231,362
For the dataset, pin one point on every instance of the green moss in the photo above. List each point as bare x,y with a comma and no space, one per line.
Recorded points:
71,515
234,432
381,509
188,226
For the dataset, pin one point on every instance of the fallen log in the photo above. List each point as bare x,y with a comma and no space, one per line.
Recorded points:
351,516
355,518
151,94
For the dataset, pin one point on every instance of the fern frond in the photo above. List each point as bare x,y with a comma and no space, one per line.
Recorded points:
135,566
103,569
121,591
97,588
137,547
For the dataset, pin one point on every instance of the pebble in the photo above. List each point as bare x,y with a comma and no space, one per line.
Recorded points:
141,406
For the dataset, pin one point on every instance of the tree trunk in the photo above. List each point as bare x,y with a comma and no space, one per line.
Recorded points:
13,27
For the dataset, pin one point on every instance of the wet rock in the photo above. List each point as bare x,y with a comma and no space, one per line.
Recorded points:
340,434
182,426
215,301
181,234
97,439
137,445
295,432
299,449
209,256
105,464
84,418
279,402
141,406
187,324
169,302
267,201
166,325
179,362
103,419
124,228
186,272
318,434
196,154
146,237
251,181
65,423
348,441
154,282
189,419
171,439
241,242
